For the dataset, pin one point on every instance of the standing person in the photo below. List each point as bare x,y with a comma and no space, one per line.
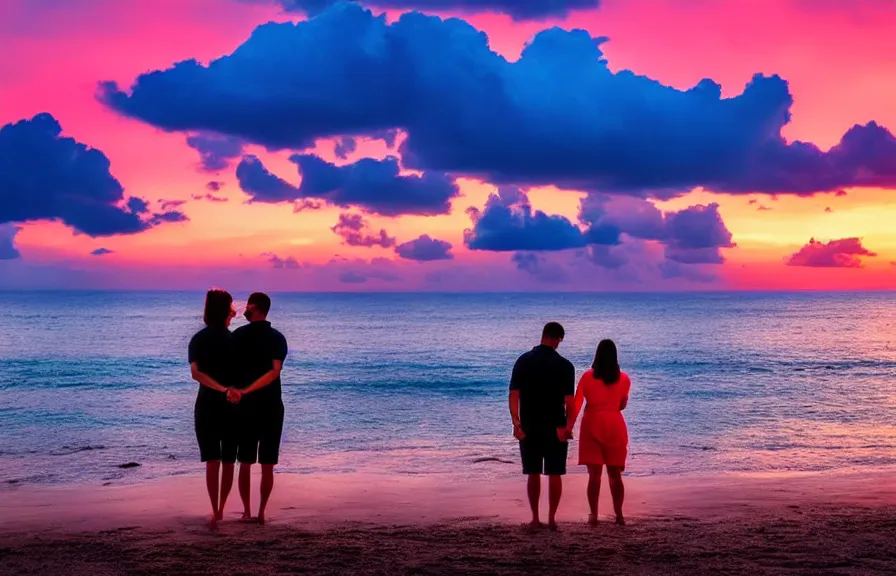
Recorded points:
603,436
260,350
542,389
210,355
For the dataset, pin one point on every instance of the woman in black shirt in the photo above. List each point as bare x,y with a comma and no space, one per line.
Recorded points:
210,359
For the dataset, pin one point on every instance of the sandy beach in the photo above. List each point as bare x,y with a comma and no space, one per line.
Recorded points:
364,524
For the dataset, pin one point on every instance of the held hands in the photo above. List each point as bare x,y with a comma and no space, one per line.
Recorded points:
518,432
564,434
234,396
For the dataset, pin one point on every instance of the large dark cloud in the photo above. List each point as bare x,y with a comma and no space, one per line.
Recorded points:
557,116
508,224
517,9
425,249
216,152
355,231
8,250
372,185
843,253
45,176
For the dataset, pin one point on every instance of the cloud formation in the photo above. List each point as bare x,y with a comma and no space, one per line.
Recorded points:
517,9
46,176
101,252
508,224
556,116
278,263
843,253
355,232
425,249
693,235
216,151
374,186
8,250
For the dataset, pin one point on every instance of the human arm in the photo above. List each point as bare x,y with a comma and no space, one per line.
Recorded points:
628,386
266,379
578,401
204,379
514,400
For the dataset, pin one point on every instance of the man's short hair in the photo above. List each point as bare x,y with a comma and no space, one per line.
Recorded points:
261,301
553,330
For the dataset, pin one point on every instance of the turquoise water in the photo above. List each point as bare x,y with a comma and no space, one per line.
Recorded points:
416,384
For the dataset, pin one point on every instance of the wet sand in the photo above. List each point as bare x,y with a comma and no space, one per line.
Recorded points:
361,524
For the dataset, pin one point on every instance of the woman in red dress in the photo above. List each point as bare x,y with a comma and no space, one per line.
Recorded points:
603,436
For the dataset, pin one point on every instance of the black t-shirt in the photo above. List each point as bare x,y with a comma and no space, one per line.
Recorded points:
256,346
544,379
211,349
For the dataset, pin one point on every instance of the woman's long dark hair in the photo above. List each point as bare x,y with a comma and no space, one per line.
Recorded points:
606,362
218,308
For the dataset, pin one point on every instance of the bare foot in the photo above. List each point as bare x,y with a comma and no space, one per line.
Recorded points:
260,518
533,526
552,526
219,516
592,519
213,522
620,521
247,518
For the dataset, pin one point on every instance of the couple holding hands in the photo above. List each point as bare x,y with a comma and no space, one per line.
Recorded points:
544,407
239,411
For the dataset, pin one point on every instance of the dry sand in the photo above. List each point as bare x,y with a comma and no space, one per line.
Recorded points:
355,524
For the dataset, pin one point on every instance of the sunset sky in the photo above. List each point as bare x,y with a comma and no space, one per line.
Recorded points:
448,145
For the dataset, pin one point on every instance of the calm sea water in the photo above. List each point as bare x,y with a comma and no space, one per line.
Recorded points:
416,384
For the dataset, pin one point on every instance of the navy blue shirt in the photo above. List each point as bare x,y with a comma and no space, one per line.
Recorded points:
256,346
544,379
211,349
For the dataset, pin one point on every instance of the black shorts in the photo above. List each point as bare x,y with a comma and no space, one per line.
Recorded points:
544,454
260,430
216,426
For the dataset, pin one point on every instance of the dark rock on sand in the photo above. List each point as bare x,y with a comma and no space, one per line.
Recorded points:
129,465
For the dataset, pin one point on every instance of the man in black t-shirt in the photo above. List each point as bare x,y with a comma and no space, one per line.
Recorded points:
259,350
542,393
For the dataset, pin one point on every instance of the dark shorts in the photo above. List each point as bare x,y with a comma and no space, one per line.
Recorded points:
544,454
260,430
216,425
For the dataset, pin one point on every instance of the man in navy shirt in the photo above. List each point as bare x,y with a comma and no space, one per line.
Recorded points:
260,351
542,393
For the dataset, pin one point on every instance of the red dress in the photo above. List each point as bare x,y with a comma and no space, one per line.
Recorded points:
603,436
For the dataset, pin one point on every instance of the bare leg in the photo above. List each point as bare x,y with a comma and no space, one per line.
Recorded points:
594,473
267,486
226,485
555,490
533,489
211,483
246,489
617,489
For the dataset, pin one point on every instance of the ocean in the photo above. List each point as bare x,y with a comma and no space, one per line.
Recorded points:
416,384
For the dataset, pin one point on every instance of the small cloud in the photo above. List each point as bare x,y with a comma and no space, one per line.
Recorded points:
843,253
167,205
214,185
828,209
306,204
101,252
763,208
345,146
288,263
209,197
753,201
355,232
425,249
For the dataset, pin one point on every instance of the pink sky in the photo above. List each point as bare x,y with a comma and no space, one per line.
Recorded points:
838,57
